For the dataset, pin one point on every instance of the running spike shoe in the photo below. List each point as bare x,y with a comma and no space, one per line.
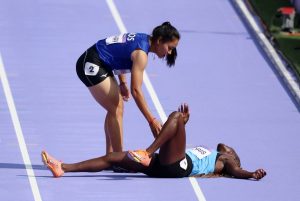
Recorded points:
140,156
52,164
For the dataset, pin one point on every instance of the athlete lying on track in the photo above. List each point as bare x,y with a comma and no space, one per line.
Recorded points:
173,160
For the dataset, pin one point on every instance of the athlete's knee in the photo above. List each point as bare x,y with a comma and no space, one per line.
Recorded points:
116,110
176,116
110,157
114,157
120,108
176,119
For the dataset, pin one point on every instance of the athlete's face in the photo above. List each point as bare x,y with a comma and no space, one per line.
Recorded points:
162,49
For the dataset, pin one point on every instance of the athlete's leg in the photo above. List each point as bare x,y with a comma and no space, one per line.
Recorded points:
107,94
171,140
107,138
98,164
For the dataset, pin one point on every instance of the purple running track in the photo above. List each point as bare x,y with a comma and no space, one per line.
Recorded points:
233,91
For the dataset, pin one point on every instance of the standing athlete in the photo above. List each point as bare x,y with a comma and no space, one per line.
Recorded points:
125,53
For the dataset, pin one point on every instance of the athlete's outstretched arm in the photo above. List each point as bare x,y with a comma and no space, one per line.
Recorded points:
232,169
139,60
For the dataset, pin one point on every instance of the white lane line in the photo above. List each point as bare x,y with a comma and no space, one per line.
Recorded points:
115,13
271,52
152,92
19,133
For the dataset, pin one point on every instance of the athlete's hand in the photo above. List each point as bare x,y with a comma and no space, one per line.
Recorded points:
155,127
125,93
258,174
184,109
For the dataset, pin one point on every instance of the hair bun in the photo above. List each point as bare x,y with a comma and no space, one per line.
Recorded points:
166,24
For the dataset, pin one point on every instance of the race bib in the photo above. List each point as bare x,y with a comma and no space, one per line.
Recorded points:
200,152
90,69
115,39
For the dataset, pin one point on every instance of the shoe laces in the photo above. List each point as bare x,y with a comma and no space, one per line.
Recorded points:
53,162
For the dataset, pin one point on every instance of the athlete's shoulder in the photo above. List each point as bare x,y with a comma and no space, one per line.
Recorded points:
141,41
142,36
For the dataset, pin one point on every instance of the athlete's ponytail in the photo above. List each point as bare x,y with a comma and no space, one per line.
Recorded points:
166,32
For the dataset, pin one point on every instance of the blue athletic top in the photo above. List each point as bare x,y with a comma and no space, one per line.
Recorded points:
203,160
115,51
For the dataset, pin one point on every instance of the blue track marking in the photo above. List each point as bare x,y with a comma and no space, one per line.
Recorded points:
234,95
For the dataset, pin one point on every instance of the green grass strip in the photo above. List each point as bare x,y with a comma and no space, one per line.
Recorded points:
288,45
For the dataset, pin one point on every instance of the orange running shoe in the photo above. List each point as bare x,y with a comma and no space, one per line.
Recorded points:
140,156
52,164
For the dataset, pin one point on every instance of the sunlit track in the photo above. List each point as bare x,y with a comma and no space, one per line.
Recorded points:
233,90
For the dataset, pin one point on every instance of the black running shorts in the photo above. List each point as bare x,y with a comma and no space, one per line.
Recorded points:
181,168
90,69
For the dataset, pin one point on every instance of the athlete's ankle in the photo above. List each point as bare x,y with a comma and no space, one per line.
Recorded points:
63,167
149,152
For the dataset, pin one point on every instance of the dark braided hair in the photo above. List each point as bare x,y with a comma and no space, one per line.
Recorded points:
166,32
